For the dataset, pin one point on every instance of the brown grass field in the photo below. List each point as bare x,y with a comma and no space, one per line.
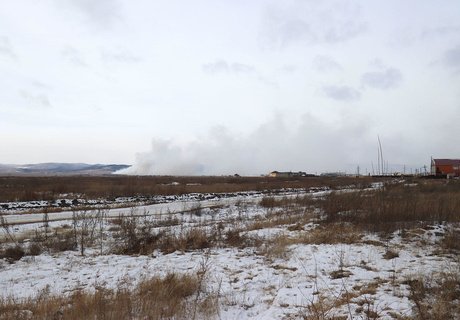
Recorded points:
23,188
399,208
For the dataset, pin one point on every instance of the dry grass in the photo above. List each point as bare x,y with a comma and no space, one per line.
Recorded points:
275,248
436,297
295,218
332,234
395,207
451,241
324,307
190,239
172,297
12,253
342,218
51,188
134,238
390,254
347,216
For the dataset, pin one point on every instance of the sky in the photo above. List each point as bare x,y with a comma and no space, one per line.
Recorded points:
222,87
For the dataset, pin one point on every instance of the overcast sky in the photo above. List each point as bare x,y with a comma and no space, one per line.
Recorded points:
218,87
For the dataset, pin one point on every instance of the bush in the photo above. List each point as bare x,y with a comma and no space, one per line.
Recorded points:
62,242
155,299
268,202
192,239
395,207
332,234
12,254
436,297
451,240
34,249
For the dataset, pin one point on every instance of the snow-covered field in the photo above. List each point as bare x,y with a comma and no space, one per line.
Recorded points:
275,277
75,201
163,204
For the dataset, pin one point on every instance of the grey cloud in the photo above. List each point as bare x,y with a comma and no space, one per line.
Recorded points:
236,68
402,38
267,81
40,85
294,31
242,68
216,67
452,58
377,63
343,31
101,12
39,99
311,23
440,31
385,79
281,31
342,93
289,68
120,55
74,56
6,48
222,66
326,64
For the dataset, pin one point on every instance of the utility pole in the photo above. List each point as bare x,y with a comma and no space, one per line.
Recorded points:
381,155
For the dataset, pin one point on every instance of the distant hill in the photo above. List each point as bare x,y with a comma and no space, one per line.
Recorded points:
54,168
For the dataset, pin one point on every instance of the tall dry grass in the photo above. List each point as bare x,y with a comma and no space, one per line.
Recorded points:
436,297
52,188
172,297
395,207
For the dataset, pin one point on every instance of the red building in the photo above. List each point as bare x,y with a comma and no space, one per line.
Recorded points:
448,167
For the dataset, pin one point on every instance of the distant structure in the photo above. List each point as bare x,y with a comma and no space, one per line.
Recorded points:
445,167
333,174
278,174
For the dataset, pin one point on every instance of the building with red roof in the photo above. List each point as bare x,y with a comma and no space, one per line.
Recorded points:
447,167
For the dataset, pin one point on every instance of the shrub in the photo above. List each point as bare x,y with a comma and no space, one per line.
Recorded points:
390,254
64,241
34,249
451,240
332,234
12,254
268,202
155,298
233,238
395,207
436,297
275,248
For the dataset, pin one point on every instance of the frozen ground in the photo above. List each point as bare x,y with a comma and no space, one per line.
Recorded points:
173,204
350,280
76,201
250,285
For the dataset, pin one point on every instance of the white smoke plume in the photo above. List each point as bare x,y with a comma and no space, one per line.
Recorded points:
310,145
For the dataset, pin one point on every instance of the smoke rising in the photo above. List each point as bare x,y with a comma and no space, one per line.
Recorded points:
310,145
